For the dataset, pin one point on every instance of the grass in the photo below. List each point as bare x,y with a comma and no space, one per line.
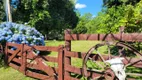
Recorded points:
80,46
12,74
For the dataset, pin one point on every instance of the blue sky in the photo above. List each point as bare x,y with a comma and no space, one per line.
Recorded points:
89,6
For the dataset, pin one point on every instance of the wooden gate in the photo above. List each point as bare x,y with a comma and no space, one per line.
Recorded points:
24,59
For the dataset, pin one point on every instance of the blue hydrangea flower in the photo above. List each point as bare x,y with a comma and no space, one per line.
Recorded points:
19,33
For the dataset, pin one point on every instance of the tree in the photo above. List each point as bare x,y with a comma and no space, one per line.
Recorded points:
110,19
111,3
47,16
62,15
2,12
83,20
7,10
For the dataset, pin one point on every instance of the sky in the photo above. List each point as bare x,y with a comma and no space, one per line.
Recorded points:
89,6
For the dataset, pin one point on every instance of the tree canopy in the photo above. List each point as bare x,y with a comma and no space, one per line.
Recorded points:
50,17
114,14
111,3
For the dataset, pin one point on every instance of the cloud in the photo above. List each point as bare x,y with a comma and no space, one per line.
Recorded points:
80,6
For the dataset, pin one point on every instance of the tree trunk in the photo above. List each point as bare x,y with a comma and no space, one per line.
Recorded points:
7,10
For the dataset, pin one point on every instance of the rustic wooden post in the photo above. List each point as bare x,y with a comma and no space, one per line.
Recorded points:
67,42
67,60
6,54
121,31
24,62
60,63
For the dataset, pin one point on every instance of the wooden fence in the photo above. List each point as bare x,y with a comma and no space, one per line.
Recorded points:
24,58
69,54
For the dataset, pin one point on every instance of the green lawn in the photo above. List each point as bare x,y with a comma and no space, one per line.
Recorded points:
12,74
81,46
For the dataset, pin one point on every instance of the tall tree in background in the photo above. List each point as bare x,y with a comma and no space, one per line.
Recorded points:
62,15
50,17
82,24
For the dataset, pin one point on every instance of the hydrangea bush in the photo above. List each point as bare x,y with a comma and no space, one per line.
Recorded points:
19,33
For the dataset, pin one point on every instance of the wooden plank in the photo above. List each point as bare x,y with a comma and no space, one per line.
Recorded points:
10,51
76,70
73,69
24,62
6,55
15,67
34,66
67,61
46,48
31,55
49,70
67,41
19,61
132,37
40,65
42,48
13,44
46,68
50,59
98,37
60,63
75,54
39,76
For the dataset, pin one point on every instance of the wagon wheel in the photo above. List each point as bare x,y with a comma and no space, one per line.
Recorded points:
96,63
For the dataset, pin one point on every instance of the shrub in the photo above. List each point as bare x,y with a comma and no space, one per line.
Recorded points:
19,33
